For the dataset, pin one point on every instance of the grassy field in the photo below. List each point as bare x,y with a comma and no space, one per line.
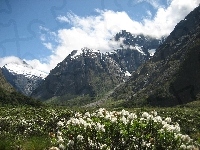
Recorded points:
29,128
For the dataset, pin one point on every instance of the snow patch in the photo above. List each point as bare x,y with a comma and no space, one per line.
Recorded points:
127,73
151,51
138,48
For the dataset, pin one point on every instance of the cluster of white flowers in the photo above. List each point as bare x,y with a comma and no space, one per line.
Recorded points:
89,127
170,127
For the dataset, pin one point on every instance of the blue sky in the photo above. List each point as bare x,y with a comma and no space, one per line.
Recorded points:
44,32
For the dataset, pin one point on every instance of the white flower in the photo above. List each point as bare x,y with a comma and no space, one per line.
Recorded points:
145,115
103,146
178,135
123,119
148,144
100,114
54,148
163,122
177,127
183,146
154,113
87,125
81,121
189,147
89,120
80,137
186,138
60,124
168,119
60,139
71,142
59,133
99,127
132,116
87,114
75,121
113,119
124,113
108,116
62,147
149,117
157,119
77,114
167,127
91,142
101,111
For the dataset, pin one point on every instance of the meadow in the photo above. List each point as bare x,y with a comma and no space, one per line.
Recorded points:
31,128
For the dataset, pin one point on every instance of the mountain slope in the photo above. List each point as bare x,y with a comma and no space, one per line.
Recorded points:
8,95
22,76
171,77
4,84
89,73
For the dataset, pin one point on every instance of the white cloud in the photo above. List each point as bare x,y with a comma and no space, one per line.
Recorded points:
36,64
155,3
95,31
10,59
48,45
166,19
63,19
149,14
42,37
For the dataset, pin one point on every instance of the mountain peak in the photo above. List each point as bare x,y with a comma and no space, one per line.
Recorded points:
22,76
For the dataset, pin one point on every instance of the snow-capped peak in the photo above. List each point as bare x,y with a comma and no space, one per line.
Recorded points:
24,69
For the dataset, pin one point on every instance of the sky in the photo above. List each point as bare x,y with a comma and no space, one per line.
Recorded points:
44,32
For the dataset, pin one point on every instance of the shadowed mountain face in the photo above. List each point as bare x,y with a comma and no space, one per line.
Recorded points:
172,76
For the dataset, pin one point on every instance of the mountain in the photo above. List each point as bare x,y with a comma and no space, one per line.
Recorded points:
22,76
172,76
135,50
90,73
8,95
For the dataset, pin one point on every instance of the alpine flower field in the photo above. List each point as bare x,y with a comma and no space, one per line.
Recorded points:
59,129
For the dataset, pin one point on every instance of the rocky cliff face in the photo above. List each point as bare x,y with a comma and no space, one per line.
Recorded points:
171,77
22,76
